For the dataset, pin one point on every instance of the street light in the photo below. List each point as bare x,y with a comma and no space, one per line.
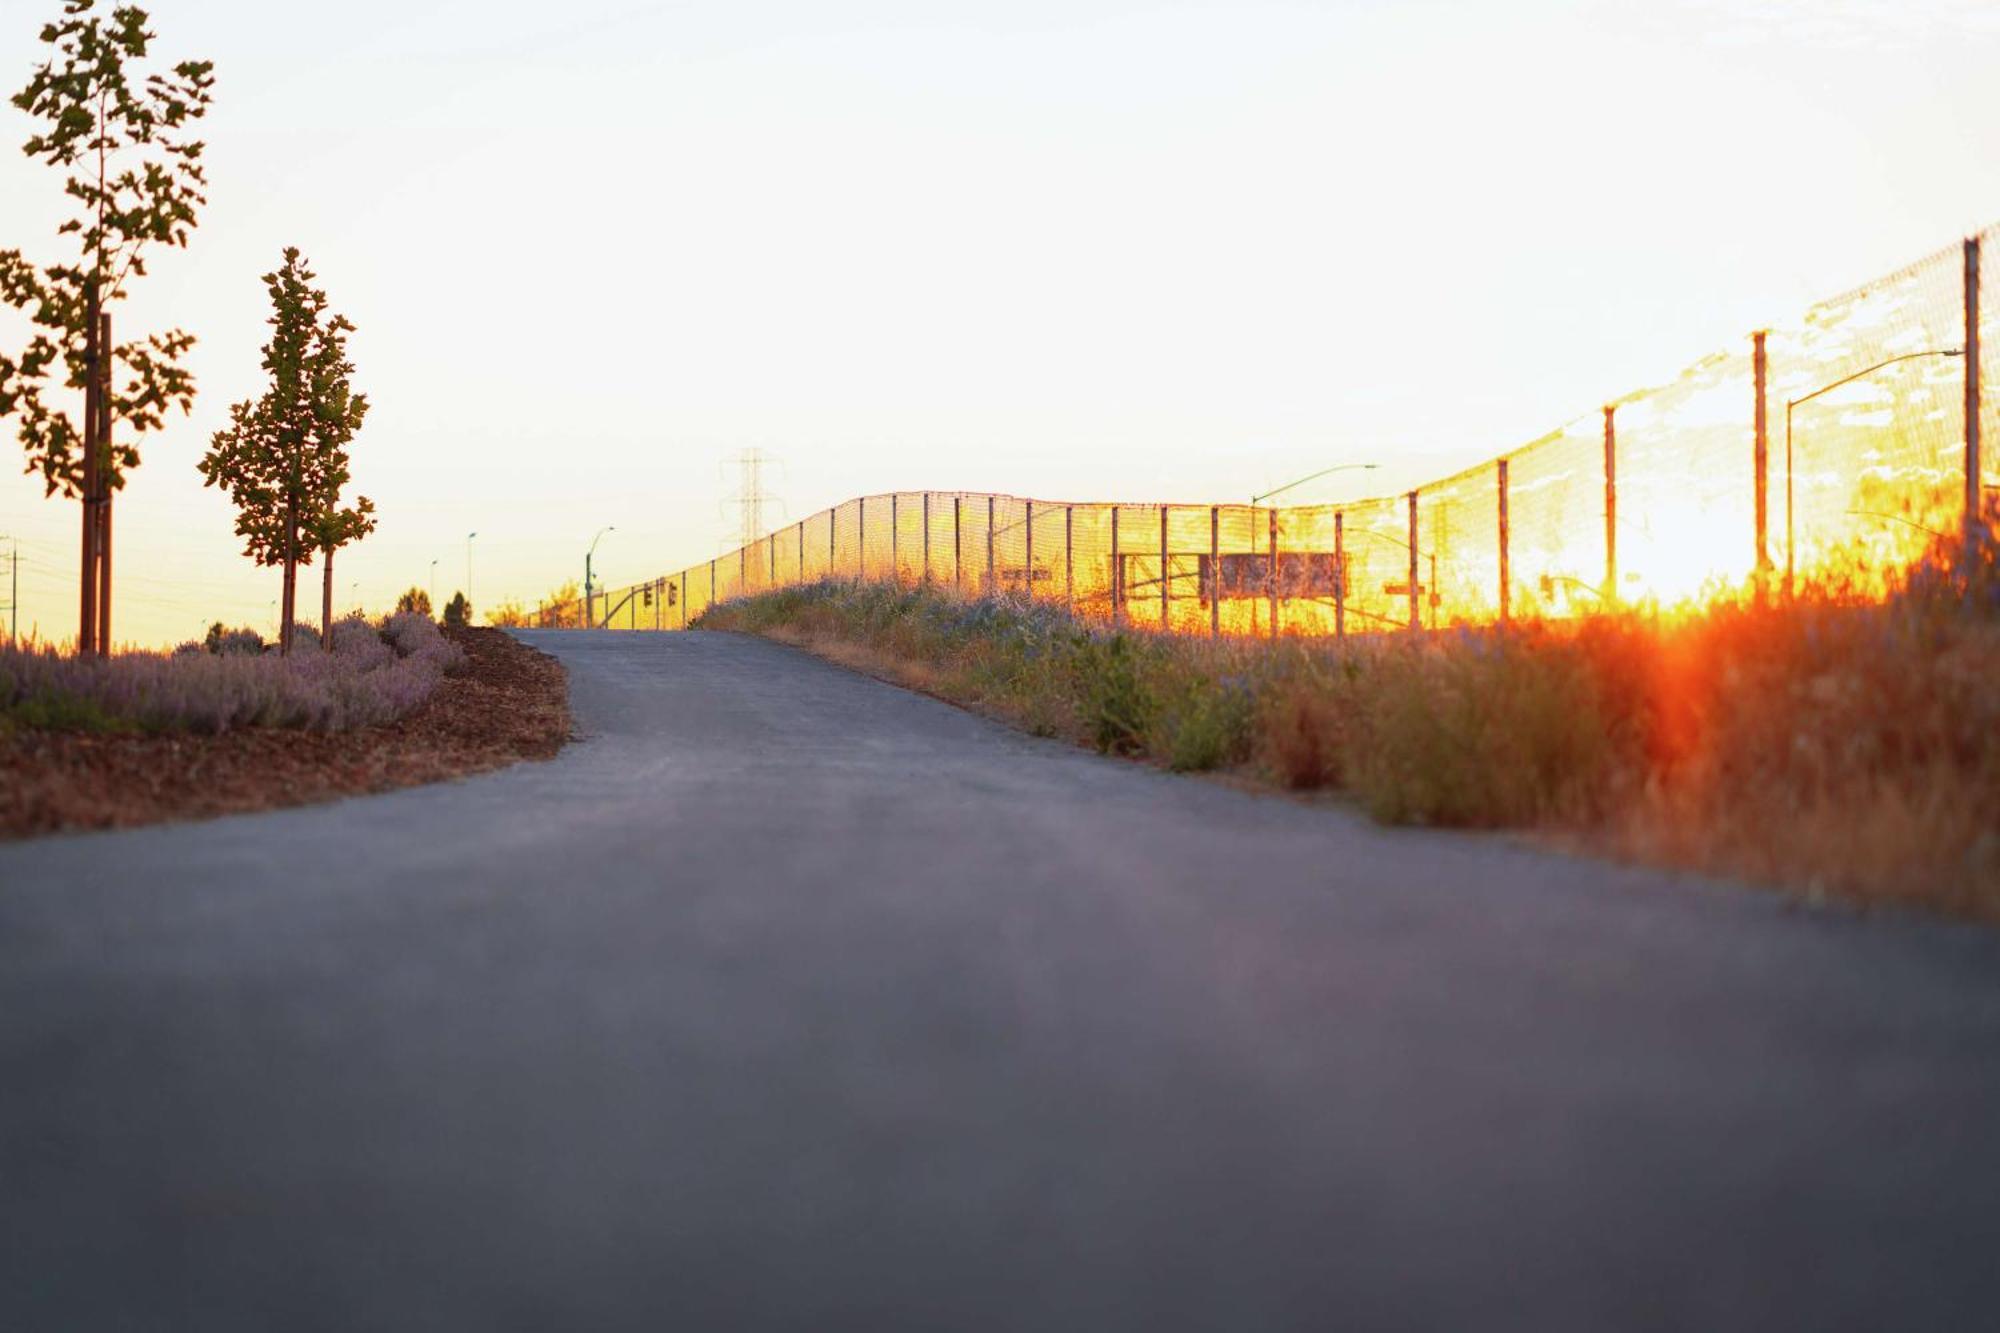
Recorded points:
434,587
1790,549
1323,472
587,584
468,576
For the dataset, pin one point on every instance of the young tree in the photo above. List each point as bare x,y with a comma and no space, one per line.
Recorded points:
332,532
283,458
415,600
458,611
561,609
509,614
136,176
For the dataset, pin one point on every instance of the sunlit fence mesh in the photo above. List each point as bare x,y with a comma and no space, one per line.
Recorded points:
1835,446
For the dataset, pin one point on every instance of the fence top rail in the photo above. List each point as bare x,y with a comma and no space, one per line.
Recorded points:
1548,465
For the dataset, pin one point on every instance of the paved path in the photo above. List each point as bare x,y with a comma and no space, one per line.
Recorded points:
789,999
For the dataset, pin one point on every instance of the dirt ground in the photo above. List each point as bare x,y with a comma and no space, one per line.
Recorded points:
510,704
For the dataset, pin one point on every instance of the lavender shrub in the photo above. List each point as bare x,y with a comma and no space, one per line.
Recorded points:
371,677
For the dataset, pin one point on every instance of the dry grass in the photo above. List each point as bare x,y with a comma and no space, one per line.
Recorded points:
1833,743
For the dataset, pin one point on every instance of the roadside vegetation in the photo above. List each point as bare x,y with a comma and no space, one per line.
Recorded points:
371,674
1833,743
495,702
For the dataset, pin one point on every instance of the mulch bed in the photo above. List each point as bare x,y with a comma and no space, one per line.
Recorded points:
510,704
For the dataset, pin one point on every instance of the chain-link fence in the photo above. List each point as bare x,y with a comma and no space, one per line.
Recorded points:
1846,445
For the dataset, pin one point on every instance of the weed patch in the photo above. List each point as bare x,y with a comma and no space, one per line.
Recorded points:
1833,742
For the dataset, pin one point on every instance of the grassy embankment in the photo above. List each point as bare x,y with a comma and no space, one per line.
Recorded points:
1836,744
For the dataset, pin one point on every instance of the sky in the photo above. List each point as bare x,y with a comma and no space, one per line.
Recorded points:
1068,249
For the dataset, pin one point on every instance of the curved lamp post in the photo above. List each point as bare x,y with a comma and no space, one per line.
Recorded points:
1315,476
587,584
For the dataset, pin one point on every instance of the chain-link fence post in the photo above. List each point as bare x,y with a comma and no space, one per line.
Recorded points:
1974,519
992,572
1117,575
958,543
1339,574
927,539
1506,539
1271,570
1069,557
1416,592
895,524
1610,505
1761,453
1215,571
1028,574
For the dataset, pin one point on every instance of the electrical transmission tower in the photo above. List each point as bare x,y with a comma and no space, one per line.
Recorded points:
751,499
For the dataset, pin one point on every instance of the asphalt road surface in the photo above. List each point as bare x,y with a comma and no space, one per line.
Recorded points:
787,999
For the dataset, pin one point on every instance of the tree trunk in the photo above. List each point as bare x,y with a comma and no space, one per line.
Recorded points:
105,490
288,599
326,603
86,612
104,570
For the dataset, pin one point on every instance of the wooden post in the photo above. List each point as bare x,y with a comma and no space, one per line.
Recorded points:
1215,571
1416,601
1759,369
927,539
992,574
1610,505
1117,574
1506,567
1340,574
1028,579
1974,524
1271,571
1069,556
